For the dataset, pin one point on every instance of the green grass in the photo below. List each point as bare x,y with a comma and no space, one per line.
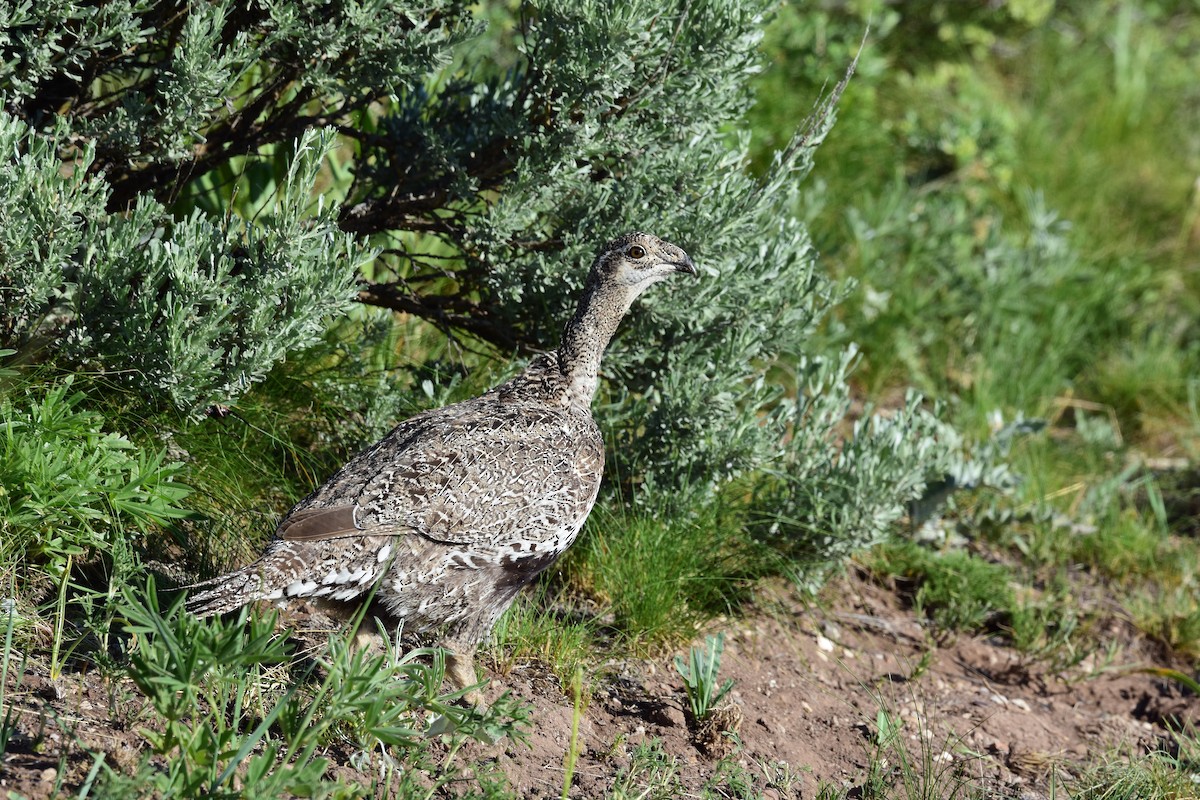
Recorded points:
652,774
1156,776
540,628
1019,218
663,577
958,591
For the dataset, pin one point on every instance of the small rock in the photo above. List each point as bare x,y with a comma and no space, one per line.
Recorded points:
49,774
674,716
824,644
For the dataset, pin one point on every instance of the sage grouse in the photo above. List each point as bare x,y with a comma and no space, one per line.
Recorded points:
459,507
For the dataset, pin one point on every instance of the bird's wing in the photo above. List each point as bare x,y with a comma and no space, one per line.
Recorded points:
499,475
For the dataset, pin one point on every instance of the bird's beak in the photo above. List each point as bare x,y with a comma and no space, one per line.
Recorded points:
685,265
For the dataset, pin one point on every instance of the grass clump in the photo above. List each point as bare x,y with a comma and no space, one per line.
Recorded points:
652,774
541,625
1155,776
662,577
957,590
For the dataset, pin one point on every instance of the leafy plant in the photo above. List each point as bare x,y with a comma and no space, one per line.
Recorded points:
7,372
699,675
8,607
68,487
191,310
228,706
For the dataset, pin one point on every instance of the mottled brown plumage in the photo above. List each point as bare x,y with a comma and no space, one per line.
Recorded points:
459,507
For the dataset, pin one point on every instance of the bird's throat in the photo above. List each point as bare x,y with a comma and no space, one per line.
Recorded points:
587,335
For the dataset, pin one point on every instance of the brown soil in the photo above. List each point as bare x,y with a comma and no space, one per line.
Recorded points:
809,688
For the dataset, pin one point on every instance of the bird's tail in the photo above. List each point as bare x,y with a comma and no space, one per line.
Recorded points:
227,592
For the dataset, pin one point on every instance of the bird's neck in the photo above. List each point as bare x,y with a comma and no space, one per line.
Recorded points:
587,335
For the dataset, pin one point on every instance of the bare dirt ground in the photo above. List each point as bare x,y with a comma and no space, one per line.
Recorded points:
810,684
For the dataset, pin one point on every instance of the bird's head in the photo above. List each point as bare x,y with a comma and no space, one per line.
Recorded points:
637,260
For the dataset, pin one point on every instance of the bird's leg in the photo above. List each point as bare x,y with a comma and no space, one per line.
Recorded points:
460,672
367,637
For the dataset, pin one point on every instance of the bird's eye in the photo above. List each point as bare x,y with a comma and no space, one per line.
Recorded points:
637,251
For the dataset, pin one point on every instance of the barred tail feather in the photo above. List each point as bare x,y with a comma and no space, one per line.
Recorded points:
228,592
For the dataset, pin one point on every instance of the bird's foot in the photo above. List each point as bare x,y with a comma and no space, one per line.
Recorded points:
460,672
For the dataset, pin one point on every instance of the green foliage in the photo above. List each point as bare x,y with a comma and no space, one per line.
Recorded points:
955,589
652,774
662,576
44,210
699,675
964,306
190,310
69,488
1007,252
849,499
226,707
489,192
204,312
218,67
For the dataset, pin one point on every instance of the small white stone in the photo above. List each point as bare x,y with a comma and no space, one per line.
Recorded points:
824,644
